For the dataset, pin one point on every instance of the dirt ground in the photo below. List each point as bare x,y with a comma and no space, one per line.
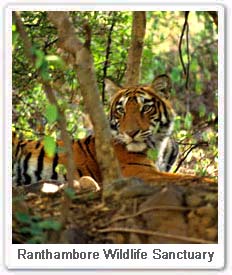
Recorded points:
133,213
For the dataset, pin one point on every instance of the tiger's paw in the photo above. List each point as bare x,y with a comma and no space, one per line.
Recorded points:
86,183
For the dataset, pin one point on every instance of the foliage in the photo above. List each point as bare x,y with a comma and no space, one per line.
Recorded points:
196,108
36,227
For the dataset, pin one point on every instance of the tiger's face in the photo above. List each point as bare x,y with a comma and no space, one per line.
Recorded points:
140,118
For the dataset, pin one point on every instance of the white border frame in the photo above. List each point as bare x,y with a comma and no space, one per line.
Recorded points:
11,258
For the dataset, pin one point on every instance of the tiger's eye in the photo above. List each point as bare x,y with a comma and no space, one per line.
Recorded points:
120,110
146,108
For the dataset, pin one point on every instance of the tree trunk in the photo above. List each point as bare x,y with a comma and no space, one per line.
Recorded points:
132,75
88,84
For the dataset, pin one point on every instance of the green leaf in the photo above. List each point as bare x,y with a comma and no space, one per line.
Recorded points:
37,240
25,230
188,121
194,65
177,123
23,217
199,88
44,71
49,146
61,169
152,154
55,60
175,75
205,136
51,113
202,110
40,58
13,28
70,192
50,224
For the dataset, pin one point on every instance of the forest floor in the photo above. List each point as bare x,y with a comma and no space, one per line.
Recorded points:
133,213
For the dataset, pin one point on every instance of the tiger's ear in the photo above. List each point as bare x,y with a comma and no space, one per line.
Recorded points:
162,85
110,87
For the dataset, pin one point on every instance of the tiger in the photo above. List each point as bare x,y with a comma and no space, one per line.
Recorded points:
140,118
32,164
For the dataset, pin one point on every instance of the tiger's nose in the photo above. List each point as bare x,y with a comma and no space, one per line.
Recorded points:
133,133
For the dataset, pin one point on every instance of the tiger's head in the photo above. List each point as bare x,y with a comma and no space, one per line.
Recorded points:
141,116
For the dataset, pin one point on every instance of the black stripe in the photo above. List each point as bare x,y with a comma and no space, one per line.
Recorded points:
146,100
87,141
140,164
170,161
144,90
37,145
165,111
17,149
137,153
172,156
90,172
158,108
81,147
25,167
22,144
79,172
142,93
127,91
40,164
54,164
18,178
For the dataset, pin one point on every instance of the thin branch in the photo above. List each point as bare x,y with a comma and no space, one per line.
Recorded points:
181,40
156,234
106,62
185,156
188,57
154,208
49,43
185,67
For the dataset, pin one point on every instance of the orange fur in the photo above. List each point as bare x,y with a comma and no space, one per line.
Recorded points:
132,164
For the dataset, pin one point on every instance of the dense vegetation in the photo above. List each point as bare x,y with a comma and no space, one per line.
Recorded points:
180,44
194,92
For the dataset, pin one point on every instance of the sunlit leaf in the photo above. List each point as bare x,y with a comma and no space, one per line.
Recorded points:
13,27
51,113
61,169
55,60
49,146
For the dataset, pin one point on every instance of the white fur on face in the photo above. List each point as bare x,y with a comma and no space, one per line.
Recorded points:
136,147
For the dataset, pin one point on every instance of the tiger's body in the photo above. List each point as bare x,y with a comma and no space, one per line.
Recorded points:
140,120
32,164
